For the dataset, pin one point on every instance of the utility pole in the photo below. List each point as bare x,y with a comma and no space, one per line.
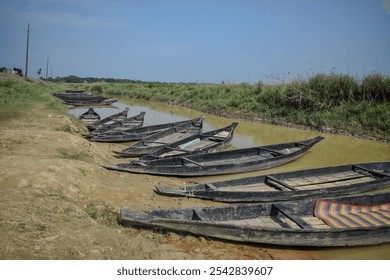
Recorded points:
28,38
47,66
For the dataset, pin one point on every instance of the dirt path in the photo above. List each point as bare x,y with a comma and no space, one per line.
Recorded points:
58,203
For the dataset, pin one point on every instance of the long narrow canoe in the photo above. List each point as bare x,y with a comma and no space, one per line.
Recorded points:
159,140
175,142
89,117
75,95
119,125
332,222
225,162
142,132
90,102
109,120
318,182
79,97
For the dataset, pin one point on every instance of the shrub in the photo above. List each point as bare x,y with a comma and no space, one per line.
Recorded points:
333,89
376,88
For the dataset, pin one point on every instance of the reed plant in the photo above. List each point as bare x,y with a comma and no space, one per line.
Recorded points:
321,101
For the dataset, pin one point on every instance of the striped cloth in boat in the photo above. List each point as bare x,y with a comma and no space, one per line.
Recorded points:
339,215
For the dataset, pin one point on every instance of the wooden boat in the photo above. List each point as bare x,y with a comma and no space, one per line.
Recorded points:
83,99
80,97
225,162
142,132
72,95
318,182
90,102
332,222
69,97
109,120
158,140
89,117
119,125
177,141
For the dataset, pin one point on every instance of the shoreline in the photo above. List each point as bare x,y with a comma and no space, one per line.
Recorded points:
246,117
58,203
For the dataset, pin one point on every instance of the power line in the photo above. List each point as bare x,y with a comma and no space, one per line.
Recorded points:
32,34
17,11
8,13
18,17
39,46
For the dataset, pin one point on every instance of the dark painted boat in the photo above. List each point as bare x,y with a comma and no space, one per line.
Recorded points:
69,97
83,99
87,103
159,140
225,162
175,141
109,120
72,95
142,132
89,117
333,222
318,182
119,125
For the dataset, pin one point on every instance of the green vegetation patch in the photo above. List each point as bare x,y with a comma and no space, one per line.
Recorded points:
74,155
321,101
103,214
17,95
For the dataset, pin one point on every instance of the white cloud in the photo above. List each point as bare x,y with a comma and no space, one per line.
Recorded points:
385,4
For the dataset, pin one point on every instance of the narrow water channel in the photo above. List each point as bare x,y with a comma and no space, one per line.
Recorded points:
333,150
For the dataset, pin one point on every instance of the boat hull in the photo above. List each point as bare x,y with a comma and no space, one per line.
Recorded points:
246,223
136,134
318,182
226,162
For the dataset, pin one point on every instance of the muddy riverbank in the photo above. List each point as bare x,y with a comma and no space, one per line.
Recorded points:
58,203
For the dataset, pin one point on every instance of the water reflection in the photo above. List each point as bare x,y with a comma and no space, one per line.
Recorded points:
333,150
162,113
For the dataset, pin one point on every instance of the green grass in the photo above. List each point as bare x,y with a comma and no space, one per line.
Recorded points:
103,213
321,101
73,155
17,95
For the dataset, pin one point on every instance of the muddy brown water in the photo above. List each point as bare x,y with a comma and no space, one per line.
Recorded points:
333,150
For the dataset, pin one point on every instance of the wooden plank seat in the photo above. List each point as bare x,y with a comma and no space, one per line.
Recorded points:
287,213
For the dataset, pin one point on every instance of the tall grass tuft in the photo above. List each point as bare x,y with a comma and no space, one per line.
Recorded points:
19,93
375,88
321,101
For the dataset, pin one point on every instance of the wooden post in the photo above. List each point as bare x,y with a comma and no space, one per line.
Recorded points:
28,37
47,66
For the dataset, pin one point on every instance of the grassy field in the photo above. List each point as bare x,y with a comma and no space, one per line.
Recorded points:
325,102
332,102
17,96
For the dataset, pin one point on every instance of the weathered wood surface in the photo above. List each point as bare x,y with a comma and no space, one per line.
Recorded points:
288,223
139,133
204,142
326,181
225,162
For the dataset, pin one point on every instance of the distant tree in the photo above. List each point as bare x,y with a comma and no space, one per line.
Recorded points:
39,72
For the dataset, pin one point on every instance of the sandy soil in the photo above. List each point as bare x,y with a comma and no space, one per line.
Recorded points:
58,203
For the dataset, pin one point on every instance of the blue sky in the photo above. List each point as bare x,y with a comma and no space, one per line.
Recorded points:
197,40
